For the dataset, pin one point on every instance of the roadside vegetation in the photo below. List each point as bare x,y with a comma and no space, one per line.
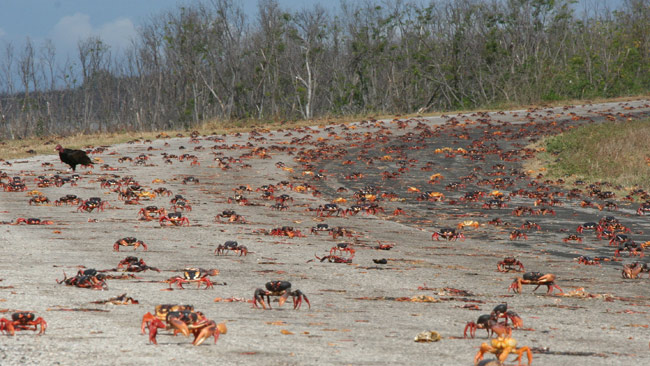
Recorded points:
613,152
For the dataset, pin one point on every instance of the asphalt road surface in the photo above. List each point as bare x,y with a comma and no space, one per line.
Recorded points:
362,312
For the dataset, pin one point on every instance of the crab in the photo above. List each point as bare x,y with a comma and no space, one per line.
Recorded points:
232,217
182,319
631,247
342,248
501,311
544,211
160,191
198,275
522,210
69,199
282,289
320,227
448,233
92,203
88,278
279,207
174,218
529,225
509,263
489,204
434,196
187,322
231,245
160,313
39,200
334,259
33,221
588,226
490,322
181,204
23,320
287,231
146,195
572,237
190,179
643,209
535,278
468,223
502,346
618,239
372,209
283,198
133,264
330,209
517,234
633,270
150,213
239,199
485,321
128,242
590,261
15,187
341,232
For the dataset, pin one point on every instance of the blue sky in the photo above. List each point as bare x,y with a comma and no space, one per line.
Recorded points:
115,21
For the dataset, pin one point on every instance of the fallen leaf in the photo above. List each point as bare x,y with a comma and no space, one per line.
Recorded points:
279,322
284,331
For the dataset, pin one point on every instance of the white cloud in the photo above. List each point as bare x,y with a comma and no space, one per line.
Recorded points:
72,28
118,34
69,30
2,33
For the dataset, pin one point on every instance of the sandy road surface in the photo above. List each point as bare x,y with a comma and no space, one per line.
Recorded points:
354,316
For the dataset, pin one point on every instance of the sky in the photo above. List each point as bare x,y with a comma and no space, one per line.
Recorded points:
65,22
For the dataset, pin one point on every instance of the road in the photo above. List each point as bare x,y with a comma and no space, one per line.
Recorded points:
361,313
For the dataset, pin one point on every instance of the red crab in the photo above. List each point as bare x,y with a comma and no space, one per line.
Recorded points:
150,213
92,203
233,246
33,221
23,320
129,242
509,263
448,233
535,278
287,231
182,319
175,219
198,275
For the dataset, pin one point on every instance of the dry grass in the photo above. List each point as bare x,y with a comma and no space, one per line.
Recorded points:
614,152
15,149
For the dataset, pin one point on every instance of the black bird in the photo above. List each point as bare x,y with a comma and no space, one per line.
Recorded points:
73,157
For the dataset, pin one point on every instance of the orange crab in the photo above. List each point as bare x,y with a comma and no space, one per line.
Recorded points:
502,346
468,223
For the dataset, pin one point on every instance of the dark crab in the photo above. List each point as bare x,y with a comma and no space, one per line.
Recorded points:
279,288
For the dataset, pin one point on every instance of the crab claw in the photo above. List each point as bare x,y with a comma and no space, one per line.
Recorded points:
146,320
180,325
153,329
517,322
258,296
515,286
298,296
284,298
